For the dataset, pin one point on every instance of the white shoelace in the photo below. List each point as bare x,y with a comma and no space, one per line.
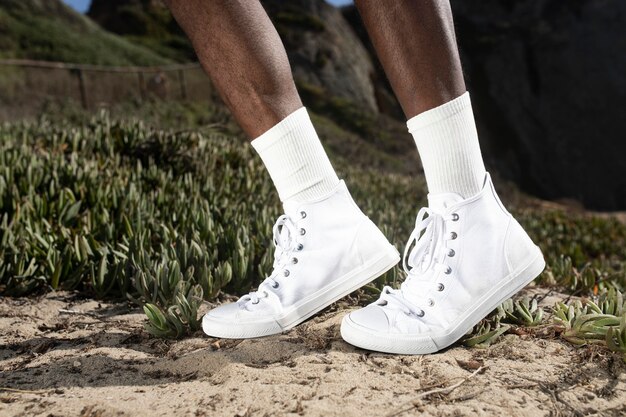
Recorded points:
285,232
428,254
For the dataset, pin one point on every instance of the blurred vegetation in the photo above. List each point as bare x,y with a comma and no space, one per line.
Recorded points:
50,30
119,209
165,218
343,111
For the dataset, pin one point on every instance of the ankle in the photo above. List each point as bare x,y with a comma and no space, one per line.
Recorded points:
296,160
447,142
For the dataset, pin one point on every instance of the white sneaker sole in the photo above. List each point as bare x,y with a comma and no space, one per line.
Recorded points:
306,307
416,344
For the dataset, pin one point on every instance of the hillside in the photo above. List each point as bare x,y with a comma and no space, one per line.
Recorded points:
144,22
50,30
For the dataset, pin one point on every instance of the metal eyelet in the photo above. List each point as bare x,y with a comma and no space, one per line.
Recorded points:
431,302
453,235
255,302
455,217
275,285
382,303
451,253
440,287
294,260
448,271
302,232
286,273
303,214
421,313
300,247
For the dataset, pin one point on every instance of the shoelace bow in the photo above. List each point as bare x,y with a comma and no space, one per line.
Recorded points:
429,250
284,233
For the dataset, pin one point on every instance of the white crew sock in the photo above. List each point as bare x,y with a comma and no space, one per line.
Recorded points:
447,142
296,160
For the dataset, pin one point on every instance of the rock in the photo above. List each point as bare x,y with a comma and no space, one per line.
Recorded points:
548,83
383,94
323,49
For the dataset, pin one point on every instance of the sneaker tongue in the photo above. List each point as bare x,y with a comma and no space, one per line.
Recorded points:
439,203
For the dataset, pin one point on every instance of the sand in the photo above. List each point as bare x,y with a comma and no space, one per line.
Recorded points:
61,355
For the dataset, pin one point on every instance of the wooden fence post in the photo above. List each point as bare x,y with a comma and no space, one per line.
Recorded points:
183,84
81,86
142,86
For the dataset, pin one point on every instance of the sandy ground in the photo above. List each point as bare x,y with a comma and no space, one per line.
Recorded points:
67,356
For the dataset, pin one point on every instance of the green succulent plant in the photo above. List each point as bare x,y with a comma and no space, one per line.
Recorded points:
524,312
485,334
117,209
595,322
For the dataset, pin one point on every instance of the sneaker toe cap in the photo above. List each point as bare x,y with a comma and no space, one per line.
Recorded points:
371,317
228,311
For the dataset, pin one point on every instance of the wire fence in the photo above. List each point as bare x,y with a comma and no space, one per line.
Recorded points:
27,85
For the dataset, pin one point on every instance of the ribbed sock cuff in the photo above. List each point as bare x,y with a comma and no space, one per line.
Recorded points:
295,159
447,142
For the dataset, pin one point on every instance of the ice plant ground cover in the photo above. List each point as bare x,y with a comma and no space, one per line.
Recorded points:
117,209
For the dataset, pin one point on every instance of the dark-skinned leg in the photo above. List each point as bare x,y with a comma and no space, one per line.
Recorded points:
323,238
416,45
467,253
243,55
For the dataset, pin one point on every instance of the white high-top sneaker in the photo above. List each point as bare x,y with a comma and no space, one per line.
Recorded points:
469,256
324,250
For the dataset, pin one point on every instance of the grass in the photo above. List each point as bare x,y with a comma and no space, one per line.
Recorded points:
119,209
52,31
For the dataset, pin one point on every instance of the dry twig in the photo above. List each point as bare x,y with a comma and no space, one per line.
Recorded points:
25,391
77,312
444,390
